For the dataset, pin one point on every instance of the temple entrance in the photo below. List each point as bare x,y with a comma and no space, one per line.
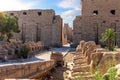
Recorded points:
95,28
38,32
23,34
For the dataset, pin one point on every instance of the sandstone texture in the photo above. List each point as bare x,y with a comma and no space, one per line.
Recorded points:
90,58
30,70
39,25
95,18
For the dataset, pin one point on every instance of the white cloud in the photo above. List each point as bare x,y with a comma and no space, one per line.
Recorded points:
6,5
69,4
69,15
73,8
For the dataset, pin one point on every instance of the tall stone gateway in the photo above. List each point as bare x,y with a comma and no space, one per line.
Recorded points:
96,17
39,25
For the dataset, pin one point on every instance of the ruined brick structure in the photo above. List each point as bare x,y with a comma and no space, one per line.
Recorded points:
39,25
97,16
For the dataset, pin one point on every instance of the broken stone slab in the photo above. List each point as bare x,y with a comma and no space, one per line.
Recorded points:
80,46
79,62
90,48
87,45
82,68
95,59
81,74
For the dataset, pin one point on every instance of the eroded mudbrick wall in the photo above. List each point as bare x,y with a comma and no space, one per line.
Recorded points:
97,16
39,25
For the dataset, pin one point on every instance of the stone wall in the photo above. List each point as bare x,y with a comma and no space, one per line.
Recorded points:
24,70
96,17
64,36
39,25
69,32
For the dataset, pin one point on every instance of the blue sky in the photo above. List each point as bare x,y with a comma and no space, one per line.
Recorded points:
68,9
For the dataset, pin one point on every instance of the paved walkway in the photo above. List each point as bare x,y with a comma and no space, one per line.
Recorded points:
46,55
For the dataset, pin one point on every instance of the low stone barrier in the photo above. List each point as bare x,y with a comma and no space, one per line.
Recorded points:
24,70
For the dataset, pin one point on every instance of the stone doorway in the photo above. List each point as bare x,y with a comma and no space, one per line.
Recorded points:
96,33
23,34
38,32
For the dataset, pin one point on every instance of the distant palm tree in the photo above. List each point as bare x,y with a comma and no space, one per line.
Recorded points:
109,36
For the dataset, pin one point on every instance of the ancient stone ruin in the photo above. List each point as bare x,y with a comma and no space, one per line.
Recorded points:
96,17
12,51
30,70
58,58
90,58
39,25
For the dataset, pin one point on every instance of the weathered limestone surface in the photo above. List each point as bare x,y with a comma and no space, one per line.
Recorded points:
89,58
96,17
39,25
24,70
58,57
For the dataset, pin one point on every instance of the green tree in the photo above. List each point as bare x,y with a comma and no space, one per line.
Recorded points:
3,22
8,26
11,26
109,36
